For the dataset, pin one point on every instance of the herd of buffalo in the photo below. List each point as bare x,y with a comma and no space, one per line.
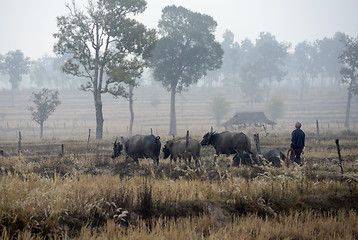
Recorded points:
148,146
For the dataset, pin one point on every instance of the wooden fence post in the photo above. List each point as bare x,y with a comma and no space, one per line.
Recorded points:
62,150
97,152
318,137
257,142
89,136
339,155
266,133
186,145
19,147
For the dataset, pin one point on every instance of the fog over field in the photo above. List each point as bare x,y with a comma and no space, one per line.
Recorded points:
283,58
81,79
75,115
29,25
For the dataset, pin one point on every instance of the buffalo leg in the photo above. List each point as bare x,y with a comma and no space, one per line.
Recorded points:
197,161
136,160
236,160
215,158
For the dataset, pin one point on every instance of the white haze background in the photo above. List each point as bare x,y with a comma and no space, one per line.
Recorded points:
28,25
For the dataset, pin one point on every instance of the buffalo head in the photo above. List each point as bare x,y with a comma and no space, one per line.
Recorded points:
167,149
117,148
207,138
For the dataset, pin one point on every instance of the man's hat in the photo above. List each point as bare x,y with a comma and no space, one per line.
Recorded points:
298,125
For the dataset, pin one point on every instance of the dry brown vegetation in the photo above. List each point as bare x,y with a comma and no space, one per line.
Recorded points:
84,194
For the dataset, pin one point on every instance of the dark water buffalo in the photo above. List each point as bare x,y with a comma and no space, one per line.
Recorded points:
143,146
228,143
274,156
117,148
180,148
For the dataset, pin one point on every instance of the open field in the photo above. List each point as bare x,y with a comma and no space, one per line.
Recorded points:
76,115
86,195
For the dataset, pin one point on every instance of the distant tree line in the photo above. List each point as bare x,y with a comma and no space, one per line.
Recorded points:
102,49
253,67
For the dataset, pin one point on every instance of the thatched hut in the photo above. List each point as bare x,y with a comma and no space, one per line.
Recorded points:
244,119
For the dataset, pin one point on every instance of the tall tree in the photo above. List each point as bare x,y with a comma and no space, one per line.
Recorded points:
219,107
185,52
130,100
45,102
14,64
303,62
349,71
231,59
107,46
251,82
329,49
272,56
46,72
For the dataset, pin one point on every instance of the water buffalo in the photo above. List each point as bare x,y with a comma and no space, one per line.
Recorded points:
143,146
117,148
180,148
274,156
228,143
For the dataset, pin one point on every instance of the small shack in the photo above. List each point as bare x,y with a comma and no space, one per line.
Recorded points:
244,119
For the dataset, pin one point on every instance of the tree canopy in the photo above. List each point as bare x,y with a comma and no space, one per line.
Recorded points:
349,70
45,103
107,46
15,64
186,51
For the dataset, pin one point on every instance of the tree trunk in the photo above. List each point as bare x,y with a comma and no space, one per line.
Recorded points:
97,87
12,95
41,129
99,115
346,123
173,121
131,87
302,87
269,90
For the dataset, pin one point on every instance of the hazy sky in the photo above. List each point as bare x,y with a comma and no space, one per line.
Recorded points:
28,25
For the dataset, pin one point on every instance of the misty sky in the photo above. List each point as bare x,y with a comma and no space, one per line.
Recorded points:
28,25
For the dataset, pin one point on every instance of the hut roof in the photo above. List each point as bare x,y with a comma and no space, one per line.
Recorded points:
242,118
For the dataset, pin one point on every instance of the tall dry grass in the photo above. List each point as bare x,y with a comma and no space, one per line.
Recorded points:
297,225
87,195
52,207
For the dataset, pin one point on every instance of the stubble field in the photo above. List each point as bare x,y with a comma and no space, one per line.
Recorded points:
82,193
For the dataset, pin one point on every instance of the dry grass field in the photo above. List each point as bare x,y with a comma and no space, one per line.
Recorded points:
84,194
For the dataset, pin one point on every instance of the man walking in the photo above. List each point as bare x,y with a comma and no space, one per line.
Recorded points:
298,142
